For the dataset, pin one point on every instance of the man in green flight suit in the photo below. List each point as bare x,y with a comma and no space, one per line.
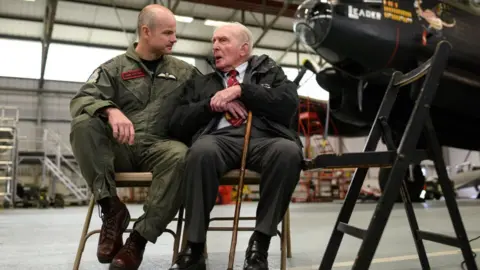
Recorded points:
120,118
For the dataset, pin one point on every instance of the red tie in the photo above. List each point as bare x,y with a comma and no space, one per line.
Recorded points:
232,80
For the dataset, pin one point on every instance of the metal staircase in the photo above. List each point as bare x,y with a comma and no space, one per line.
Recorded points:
8,154
58,156
56,170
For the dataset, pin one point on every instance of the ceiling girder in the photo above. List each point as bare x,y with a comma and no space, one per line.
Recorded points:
129,31
270,25
48,22
271,7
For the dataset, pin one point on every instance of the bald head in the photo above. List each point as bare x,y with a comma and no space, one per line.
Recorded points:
157,29
152,15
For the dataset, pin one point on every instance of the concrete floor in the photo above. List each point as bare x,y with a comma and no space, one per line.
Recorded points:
48,239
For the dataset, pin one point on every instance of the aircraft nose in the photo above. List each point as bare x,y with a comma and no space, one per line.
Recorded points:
313,20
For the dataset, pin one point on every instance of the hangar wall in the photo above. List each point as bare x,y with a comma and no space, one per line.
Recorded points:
21,93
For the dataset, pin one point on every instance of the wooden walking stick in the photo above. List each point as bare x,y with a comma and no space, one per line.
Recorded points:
238,204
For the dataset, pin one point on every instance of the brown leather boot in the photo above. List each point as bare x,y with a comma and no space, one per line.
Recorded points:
131,255
115,221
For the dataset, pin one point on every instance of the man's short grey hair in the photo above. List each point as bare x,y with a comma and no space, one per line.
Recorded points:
146,17
245,34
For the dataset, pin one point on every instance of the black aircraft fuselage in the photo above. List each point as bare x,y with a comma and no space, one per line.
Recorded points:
365,41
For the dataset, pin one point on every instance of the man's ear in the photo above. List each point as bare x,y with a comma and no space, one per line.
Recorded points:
145,30
244,49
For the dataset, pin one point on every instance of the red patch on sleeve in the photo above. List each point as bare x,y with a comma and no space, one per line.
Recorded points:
133,74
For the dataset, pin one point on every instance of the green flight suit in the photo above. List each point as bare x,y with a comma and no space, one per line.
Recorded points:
145,98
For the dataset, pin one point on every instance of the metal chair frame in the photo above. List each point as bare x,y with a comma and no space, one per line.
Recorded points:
126,179
132,179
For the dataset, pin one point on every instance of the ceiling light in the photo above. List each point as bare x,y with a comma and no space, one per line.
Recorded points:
184,19
214,23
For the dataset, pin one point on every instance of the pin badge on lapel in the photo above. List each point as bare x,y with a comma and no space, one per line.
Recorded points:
167,76
266,85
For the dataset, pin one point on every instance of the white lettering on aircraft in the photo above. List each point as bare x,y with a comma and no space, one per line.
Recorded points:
356,13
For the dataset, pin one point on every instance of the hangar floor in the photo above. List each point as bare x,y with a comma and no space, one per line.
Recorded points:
48,239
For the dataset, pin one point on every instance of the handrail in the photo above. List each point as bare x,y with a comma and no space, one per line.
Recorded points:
421,70
69,164
6,117
415,74
57,139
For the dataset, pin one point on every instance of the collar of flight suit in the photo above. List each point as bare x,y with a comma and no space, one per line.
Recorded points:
131,53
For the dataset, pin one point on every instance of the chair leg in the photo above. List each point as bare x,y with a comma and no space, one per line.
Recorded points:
83,240
289,239
283,245
205,251
184,237
178,234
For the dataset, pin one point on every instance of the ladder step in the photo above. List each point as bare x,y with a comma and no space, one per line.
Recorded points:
6,146
8,129
439,238
5,178
6,162
7,140
359,160
351,230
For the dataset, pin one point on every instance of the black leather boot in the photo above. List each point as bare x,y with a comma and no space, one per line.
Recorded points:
190,258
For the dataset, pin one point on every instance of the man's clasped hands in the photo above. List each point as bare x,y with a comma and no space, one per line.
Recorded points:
226,101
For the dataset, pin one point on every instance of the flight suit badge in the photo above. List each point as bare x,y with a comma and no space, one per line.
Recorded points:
133,74
167,75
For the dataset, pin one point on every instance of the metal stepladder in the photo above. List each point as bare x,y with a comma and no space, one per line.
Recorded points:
9,117
399,159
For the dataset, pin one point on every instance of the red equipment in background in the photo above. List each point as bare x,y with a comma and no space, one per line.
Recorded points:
324,185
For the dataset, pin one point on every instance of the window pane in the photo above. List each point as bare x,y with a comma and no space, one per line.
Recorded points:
291,73
20,58
308,85
75,63
189,60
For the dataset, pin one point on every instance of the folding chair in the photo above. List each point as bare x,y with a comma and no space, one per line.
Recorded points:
236,177
126,179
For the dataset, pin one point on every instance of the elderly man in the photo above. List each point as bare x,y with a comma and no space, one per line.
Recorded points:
211,119
120,120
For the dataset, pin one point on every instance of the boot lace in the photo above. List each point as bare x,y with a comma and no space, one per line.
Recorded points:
130,247
109,227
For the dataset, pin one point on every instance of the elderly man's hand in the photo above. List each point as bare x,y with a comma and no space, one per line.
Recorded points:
237,109
220,100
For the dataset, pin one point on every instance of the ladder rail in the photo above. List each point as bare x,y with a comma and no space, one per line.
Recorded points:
9,116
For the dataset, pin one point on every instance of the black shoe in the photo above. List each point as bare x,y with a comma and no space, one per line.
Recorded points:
189,260
256,256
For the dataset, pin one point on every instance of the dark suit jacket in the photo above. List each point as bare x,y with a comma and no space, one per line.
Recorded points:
266,91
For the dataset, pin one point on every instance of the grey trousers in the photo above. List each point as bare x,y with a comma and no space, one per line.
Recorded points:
278,160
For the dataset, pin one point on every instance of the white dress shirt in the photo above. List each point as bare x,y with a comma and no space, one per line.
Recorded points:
241,73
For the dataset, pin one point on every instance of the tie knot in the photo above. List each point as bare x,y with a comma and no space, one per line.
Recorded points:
233,73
